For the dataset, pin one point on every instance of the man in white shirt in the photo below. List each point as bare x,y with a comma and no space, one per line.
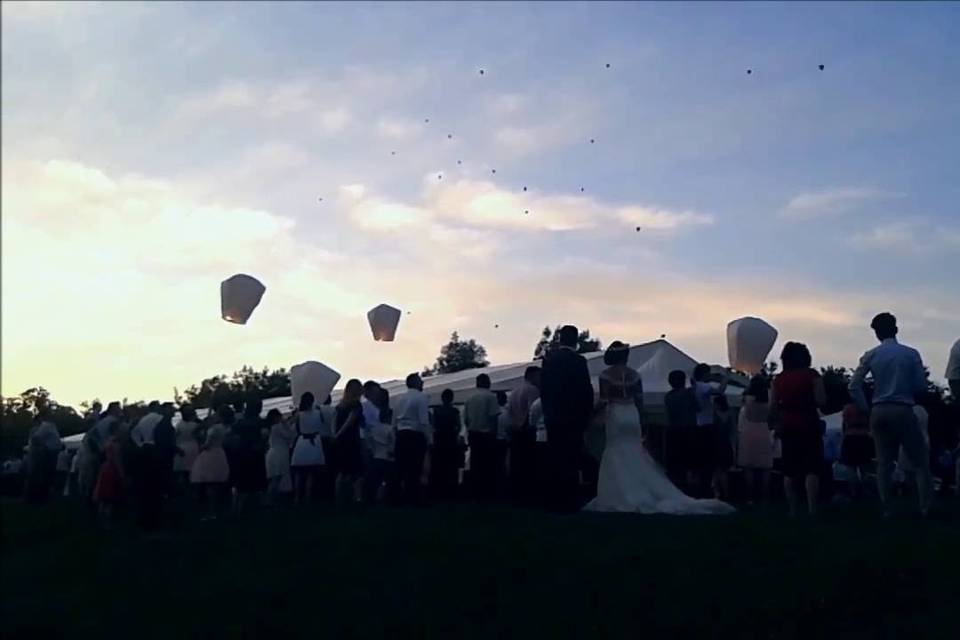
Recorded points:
142,434
481,413
898,376
413,436
43,446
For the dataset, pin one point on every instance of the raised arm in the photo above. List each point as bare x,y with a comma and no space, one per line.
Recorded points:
857,380
919,374
638,394
819,393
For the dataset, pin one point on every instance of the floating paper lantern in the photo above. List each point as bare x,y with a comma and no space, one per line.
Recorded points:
383,322
239,296
749,341
312,376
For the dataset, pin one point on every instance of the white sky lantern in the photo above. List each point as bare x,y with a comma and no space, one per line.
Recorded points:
239,296
749,341
383,322
312,376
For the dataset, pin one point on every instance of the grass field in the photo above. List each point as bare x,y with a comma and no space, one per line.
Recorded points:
477,572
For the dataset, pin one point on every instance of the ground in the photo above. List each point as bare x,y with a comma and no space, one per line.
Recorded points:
477,572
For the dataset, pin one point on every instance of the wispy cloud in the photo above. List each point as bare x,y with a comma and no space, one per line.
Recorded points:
486,205
910,236
833,202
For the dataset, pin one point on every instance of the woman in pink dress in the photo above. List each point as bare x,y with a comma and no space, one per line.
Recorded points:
755,442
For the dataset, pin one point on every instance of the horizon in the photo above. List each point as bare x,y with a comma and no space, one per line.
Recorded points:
614,166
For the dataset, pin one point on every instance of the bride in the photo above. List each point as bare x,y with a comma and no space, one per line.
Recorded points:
630,479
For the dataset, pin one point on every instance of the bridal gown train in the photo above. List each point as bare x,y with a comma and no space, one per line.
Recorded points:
631,481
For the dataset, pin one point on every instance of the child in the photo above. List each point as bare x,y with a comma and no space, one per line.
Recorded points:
682,408
857,449
722,447
383,438
754,441
109,489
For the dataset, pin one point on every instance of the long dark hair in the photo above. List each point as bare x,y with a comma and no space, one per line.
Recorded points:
307,401
795,355
759,388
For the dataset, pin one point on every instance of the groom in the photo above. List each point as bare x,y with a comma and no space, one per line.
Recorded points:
567,399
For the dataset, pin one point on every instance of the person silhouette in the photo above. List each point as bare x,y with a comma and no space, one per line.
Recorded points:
567,399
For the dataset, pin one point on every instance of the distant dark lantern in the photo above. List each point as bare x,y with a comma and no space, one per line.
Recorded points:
608,65
526,211
524,188
821,67
749,71
481,71
459,161
493,170
449,136
638,228
592,140
439,176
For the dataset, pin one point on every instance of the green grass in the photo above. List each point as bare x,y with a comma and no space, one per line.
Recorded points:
482,572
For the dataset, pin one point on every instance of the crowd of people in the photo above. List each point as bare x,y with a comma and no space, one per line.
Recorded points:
544,443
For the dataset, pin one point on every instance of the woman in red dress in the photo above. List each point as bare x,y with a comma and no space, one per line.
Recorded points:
795,397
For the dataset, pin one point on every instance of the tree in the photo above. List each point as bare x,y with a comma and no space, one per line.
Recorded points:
18,414
550,340
459,355
221,389
836,382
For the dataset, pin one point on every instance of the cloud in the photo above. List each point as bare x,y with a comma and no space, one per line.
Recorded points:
907,237
661,219
832,202
483,204
398,128
270,101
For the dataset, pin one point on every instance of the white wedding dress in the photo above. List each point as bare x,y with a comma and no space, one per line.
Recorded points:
630,480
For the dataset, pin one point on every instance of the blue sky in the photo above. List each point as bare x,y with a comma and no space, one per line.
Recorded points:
150,150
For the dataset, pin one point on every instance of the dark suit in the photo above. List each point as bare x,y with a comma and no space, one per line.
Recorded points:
567,398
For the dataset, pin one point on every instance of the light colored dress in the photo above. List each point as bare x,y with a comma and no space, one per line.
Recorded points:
187,441
282,436
308,450
630,480
755,441
211,465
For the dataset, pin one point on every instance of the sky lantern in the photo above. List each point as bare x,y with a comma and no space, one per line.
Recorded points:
239,296
749,341
312,376
383,322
